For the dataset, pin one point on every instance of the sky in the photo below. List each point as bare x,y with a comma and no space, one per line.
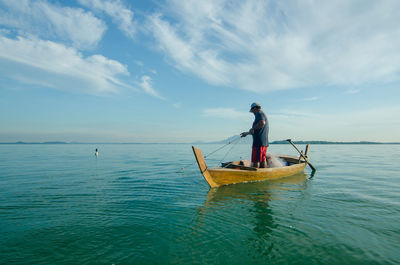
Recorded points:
183,71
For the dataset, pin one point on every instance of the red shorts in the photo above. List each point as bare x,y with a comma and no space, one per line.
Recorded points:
259,154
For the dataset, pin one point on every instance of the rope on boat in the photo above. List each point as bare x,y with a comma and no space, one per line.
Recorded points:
230,142
206,156
229,152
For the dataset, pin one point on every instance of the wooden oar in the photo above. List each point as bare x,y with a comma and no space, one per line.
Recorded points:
301,154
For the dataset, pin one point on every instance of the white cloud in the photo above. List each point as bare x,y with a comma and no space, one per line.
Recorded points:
291,114
310,99
177,105
120,14
49,21
352,91
343,125
185,56
139,63
147,85
263,46
226,113
35,61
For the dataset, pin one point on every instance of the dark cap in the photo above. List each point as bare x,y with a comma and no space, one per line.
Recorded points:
254,105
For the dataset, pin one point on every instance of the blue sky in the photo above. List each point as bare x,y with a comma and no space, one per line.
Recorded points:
181,71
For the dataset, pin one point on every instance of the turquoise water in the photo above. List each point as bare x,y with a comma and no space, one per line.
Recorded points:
149,204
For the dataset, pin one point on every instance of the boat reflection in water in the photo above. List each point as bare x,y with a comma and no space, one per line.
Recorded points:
249,214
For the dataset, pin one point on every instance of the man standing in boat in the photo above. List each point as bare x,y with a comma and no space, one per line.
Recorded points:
259,130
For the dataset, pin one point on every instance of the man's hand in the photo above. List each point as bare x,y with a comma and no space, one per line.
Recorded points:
244,134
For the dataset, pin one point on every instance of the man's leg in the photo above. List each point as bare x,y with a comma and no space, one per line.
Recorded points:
255,154
263,156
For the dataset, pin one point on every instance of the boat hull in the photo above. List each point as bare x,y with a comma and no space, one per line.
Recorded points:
226,176
220,176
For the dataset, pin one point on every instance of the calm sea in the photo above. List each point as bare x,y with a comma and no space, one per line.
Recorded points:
149,204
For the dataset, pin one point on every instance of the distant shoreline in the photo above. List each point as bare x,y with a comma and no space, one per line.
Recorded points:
219,142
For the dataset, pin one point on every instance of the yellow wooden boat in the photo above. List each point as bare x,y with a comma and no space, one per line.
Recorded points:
241,171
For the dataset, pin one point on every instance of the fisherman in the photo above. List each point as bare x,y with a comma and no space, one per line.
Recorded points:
259,130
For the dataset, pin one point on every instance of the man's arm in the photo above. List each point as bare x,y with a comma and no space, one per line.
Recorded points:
257,126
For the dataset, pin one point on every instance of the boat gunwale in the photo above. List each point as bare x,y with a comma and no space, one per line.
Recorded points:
268,169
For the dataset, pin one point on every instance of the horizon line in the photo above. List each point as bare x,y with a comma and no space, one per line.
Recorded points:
203,142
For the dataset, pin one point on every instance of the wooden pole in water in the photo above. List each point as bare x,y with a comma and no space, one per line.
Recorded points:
301,154
306,152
